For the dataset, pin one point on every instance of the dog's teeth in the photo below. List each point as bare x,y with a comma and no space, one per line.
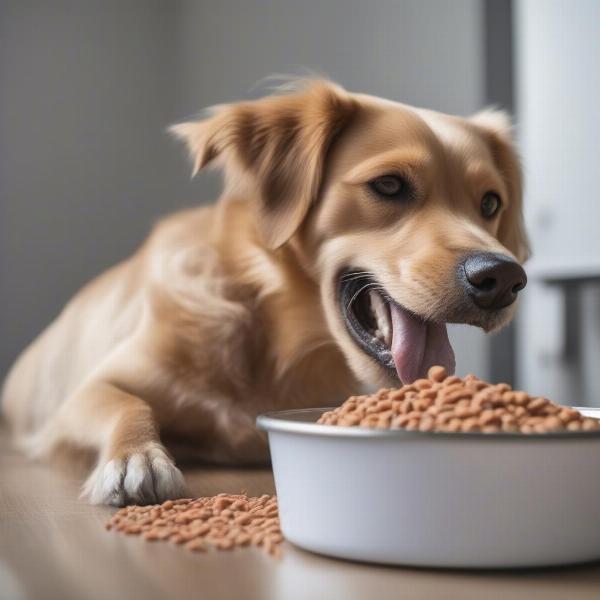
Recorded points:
382,317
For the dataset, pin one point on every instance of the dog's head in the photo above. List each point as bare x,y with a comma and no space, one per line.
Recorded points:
408,219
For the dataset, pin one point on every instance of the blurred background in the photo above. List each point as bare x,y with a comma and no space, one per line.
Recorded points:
88,88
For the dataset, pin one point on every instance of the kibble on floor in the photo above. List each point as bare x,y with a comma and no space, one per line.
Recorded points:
224,522
451,404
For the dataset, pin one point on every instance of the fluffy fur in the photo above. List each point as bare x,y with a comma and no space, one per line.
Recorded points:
229,310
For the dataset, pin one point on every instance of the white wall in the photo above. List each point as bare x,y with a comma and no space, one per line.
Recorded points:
558,89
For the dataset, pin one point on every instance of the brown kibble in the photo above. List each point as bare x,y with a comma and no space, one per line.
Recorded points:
371,409
243,519
422,384
133,529
568,414
178,538
520,411
422,404
449,403
348,406
163,533
201,529
508,397
589,424
490,429
487,417
349,420
427,424
383,423
196,546
508,419
469,425
503,387
477,385
554,424
444,417
463,411
225,544
454,425
257,538
397,394
384,405
370,421
400,421
181,519
429,395
536,405
224,522
437,374
520,398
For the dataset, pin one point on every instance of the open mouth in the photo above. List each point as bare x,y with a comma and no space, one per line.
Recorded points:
396,338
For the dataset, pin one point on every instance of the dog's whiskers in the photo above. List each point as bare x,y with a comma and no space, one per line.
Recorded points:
355,275
371,284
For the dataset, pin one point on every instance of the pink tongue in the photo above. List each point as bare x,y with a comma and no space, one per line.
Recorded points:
418,345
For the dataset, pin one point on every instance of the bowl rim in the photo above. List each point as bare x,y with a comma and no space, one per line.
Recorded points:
282,421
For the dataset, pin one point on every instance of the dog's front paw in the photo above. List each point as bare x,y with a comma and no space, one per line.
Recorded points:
144,477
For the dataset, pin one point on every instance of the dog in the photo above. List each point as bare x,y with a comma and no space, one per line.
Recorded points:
351,229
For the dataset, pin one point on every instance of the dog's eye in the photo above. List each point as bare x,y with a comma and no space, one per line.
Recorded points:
490,205
390,186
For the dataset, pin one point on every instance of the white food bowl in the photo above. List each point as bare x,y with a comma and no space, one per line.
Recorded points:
466,500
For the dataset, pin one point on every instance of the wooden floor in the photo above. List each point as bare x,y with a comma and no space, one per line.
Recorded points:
53,545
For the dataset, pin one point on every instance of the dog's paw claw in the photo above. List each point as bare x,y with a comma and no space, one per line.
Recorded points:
145,477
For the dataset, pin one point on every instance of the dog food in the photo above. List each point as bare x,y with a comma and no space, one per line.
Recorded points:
224,522
443,403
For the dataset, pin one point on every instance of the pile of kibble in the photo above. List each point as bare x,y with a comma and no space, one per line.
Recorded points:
223,522
449,403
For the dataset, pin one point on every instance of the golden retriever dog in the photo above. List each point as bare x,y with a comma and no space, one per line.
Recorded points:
350,231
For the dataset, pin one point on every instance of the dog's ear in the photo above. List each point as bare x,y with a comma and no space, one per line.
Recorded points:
282,140
497,128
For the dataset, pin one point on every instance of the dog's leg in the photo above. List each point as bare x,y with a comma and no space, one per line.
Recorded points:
133,466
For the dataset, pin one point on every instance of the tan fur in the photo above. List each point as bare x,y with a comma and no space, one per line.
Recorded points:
229,310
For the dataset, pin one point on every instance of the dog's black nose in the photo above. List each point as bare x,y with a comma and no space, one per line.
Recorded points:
492,280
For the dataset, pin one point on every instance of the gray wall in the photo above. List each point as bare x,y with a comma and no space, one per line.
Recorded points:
86,90
558,86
